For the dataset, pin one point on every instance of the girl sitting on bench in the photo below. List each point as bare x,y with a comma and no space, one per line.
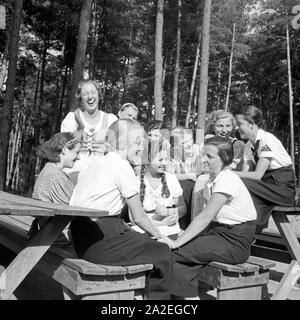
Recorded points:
223,231
107,184
272,182
160,191
53,184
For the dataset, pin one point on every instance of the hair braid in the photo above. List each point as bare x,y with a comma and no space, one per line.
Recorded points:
165,192
142,183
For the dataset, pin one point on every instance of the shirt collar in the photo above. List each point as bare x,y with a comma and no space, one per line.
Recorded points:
260,134
211,183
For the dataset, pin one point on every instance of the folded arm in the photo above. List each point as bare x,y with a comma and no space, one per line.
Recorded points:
260,169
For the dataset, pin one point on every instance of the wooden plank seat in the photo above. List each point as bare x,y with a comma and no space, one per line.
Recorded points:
80,279
237,281
287,221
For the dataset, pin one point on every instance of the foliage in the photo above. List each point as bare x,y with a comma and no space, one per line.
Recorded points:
124,59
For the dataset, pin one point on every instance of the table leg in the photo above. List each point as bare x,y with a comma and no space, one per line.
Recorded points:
288,283
292,275
25,261
287,233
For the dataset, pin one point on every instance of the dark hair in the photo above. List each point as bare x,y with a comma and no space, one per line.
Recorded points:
154,147
51,149
252,115
224,146
161,126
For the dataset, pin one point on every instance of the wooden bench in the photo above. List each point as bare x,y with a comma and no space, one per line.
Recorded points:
237,282
80,279
287,222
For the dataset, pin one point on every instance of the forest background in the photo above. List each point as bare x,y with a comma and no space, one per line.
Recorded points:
41,43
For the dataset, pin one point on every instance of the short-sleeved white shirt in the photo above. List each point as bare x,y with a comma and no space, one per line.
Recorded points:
69,123
153,196
239,207
105,184
270,147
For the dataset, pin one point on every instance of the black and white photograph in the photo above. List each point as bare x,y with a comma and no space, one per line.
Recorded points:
149,154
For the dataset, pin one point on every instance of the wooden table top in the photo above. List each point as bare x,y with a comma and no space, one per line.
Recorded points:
11,204
287,210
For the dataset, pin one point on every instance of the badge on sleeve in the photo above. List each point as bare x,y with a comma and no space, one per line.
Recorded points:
266,148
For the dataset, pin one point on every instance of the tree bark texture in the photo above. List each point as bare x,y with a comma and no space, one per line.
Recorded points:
6,119
177,69
80,50
291,98
202,102
188,114
93,43
158,88
230,68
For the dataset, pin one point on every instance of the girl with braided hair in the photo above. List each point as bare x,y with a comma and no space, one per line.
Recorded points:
160,191
108,183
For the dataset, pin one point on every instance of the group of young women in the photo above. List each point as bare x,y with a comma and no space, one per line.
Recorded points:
100,162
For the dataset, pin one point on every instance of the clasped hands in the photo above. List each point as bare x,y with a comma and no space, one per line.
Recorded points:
171,243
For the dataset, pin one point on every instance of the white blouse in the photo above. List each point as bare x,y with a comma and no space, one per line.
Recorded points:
153,197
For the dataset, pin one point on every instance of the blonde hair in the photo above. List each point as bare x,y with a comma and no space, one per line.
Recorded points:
216,115
119,132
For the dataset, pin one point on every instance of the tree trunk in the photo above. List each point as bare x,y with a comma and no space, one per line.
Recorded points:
290,96
14,150
55,106
93,43
37,121
3,69
158,88
188,114
37,118
4,64
195,113
58,115
230,68
202,102
177,69
80,50
5,123
219,85
2,17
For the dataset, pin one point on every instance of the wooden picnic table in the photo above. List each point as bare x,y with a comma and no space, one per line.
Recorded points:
289,286
41,241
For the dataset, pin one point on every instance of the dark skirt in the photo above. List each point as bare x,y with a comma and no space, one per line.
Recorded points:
277,187
221,243
110,241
